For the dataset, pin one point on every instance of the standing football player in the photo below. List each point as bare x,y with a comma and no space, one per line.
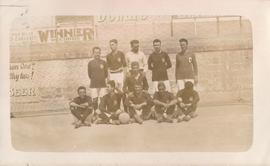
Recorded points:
159,62
186,66
135,55
98,73
116,64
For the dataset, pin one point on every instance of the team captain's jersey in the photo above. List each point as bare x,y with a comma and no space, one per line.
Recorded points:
97,72
186,66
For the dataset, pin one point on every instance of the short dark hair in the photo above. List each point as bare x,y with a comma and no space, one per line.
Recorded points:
161,83
133,42
188,85
183,40
114,41
81,87
156,41
111,83
96,48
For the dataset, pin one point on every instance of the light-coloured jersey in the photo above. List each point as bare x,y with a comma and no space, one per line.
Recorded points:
137,57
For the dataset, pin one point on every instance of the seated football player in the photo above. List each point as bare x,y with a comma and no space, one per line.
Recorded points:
110,105
165,103
187,102
81,107
139,104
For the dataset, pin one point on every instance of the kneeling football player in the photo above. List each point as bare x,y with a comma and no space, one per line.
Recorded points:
164,104
139,104
81,107
110,105
187,102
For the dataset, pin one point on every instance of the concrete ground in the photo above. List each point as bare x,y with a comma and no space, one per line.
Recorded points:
217,128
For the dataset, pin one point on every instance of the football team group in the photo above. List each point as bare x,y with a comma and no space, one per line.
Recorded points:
119,88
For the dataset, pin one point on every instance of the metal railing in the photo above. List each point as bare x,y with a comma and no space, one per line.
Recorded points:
195,19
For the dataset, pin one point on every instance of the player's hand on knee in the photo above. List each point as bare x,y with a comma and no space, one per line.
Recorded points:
118,111
98,111
179,99
188,105
137,107
182,105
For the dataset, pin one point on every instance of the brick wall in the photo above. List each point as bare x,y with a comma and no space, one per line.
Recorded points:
224,76
224,62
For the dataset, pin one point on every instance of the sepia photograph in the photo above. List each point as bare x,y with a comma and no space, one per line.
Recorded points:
131,83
